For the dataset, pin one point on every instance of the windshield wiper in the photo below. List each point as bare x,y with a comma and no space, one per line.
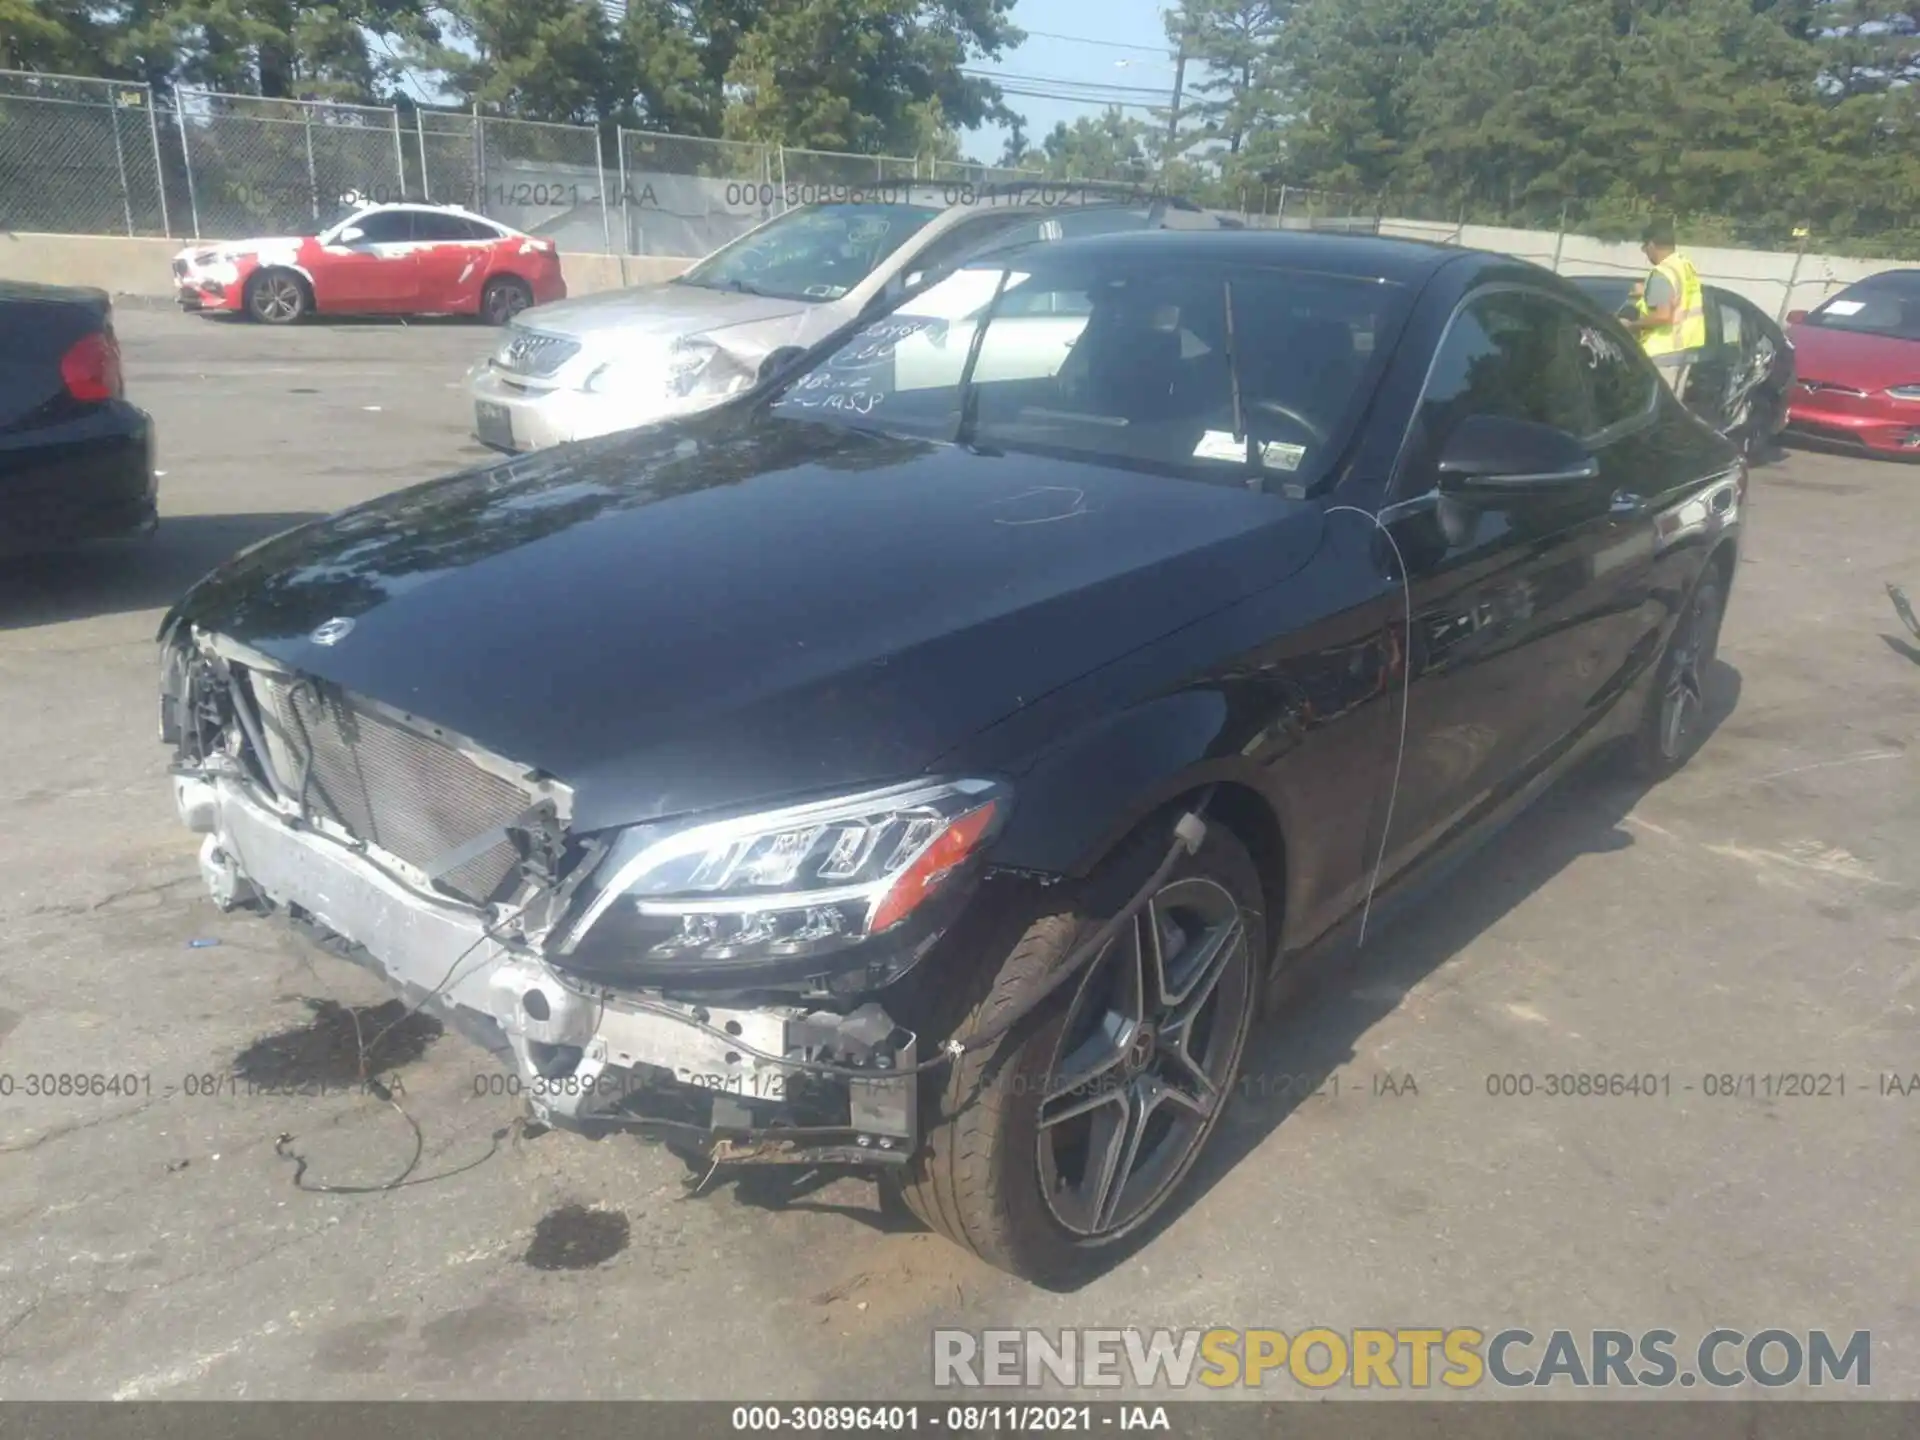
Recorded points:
969,405
1233,364
739,286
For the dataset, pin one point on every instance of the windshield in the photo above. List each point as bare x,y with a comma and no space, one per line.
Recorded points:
1883,305
1211,371
816,253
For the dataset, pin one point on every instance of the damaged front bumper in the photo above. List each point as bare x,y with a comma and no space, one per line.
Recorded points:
764,1082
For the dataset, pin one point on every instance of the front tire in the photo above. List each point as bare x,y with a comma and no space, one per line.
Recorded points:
1052,1150
278,297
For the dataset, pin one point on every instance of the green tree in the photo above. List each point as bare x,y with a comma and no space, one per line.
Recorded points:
1235,81
557,60
849,74
59,36
1109,146
1868,47
1016,154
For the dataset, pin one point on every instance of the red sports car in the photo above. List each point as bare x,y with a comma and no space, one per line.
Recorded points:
1859,366
377,260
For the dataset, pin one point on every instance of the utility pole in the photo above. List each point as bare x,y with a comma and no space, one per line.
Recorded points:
1179,81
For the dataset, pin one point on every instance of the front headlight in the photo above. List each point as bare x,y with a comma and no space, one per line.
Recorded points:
621,377
697,366
784,884
1905,392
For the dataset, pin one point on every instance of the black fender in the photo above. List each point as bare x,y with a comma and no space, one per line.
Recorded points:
1085,795
1302,810
1293,713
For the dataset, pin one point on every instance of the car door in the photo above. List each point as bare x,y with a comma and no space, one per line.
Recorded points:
371,271
1710,382
452,253
1752,334
1528,611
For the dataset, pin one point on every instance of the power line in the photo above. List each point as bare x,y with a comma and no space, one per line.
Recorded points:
1062,82
1110,103
1105,44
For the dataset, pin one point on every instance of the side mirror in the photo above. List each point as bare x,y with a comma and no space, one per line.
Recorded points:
351,235
1794,317
1489,455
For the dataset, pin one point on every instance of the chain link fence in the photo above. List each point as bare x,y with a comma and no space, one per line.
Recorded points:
542,178
685,196
283,167
79,156
100,157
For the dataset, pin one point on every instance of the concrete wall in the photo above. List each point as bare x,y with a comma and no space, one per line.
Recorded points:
1762,276
141,269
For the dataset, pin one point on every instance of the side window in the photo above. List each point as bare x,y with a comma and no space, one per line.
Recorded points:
1623,381
1511,353
429,226
386,227
963,242
1732,328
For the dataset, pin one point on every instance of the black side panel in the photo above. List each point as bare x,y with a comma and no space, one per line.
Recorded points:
37,325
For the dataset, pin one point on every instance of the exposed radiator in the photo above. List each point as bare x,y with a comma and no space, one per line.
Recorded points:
413,796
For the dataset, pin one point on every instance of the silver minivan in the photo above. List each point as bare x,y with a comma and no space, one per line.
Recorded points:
618,359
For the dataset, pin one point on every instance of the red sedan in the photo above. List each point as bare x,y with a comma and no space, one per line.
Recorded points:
378,260
1858,356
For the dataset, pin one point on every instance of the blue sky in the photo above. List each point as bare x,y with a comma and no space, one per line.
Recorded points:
1129,59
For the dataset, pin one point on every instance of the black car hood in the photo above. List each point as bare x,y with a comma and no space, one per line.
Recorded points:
731,609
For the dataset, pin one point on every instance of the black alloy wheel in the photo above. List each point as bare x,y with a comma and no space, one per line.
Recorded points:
1675,721
503,299
1053,1149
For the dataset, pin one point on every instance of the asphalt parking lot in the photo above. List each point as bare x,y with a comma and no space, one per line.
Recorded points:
1757,916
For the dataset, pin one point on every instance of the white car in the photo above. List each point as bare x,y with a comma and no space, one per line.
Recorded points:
619,359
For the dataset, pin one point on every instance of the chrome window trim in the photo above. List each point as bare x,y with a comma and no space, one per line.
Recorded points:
1604,436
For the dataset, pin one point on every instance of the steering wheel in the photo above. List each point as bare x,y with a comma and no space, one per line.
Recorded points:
1315,431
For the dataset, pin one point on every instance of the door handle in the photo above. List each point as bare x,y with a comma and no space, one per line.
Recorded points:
1625,505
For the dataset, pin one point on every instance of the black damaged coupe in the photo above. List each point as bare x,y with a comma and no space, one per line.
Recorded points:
929,759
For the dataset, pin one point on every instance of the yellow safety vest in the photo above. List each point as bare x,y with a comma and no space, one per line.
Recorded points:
1689,328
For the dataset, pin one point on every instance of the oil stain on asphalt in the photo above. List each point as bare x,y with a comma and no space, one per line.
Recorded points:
328,1049
576,1238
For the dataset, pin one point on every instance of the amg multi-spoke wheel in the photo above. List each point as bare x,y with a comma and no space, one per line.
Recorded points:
1675,721
1051,1148
1143,1063
277,297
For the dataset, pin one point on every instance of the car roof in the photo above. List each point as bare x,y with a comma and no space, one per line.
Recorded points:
39,293
1892,279
960,196
428,205
1362,256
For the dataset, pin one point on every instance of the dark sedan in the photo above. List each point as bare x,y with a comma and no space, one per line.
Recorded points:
929,758
1743,383
76,460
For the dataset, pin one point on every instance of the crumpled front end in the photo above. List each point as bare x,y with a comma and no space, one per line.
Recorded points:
209,278
455,874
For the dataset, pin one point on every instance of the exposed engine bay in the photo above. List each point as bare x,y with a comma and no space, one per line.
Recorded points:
455,875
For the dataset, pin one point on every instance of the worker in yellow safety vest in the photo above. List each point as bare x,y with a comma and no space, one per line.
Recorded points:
1670,312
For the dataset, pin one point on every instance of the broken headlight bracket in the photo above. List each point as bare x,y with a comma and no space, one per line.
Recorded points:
772,1145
